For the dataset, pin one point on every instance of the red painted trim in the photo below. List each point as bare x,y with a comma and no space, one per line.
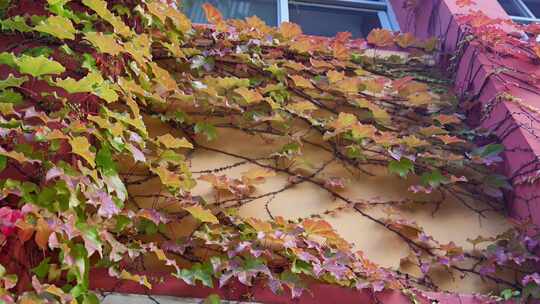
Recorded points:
235,291
476,77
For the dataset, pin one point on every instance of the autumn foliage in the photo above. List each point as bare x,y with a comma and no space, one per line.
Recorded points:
79,81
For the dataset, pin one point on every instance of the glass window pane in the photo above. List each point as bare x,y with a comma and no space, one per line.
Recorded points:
511,8
534,7
328,21
236,9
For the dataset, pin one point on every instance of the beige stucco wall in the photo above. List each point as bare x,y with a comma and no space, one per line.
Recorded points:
452,222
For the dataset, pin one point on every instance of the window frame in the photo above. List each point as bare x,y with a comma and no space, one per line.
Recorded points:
383,9
528,15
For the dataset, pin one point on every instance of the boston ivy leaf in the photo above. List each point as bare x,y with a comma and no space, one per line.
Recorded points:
38,66
12,81
433,178
105,43
212,299
105,161
57,26
198,272
172,142
15,23
42,269
489,150
10,96
84,85
381,37
81,146
100,7
202,214
3,162
402,167
8,59
207,129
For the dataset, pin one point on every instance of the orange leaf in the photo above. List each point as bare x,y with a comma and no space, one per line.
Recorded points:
259,225
213,15
448,139
381,37
319,227
301,82
290,30
42,234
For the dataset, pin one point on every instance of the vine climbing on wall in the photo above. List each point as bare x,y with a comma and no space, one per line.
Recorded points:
84,81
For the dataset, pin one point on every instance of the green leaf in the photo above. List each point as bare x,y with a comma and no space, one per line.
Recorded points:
300,266
38,51
57,26
207,129
42,269
15,23
105,161
12,81
38,66
489,150
198,272
402,167
85,85
203,215
433,178
10,96
212,299
8,59
3,162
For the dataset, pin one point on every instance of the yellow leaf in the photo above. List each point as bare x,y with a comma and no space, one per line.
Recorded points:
320,64
100,7
294,66
57,26
104,43
334,76
301,107
168,178
290,30
163,11
172,142
448,139
447,119
81,146
203,215
259,225
56,134
432,130
249,96
405,40
301,82
374,85
343,122
420,98
413,141
163,78
348,85
143,280
257,175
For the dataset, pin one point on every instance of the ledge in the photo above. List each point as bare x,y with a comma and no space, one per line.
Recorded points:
479,83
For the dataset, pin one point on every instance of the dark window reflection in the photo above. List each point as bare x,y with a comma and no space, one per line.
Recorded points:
237,9
328,21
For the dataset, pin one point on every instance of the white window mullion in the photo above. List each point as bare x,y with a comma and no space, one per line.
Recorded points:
283,11
523,7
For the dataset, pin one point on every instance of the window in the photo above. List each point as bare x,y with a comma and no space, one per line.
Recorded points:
316,17
523,11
